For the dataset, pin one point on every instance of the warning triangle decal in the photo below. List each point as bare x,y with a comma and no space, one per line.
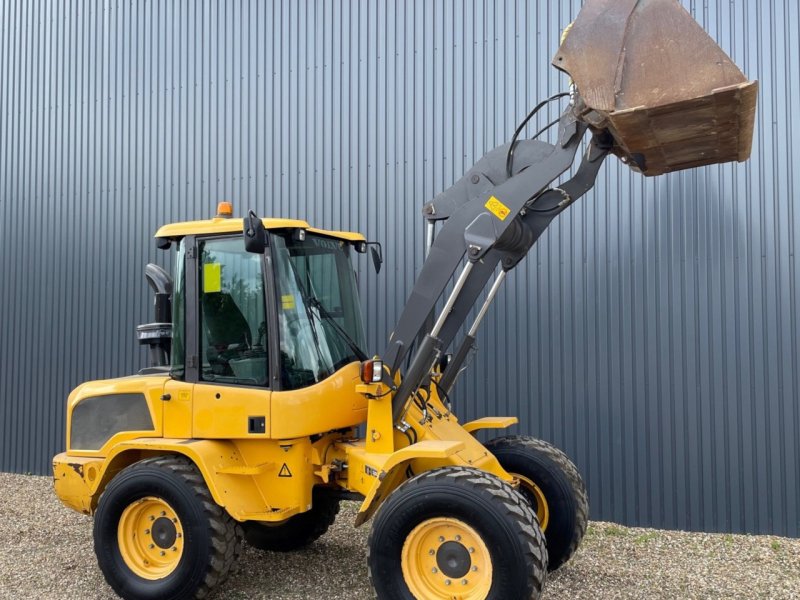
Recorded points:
285,472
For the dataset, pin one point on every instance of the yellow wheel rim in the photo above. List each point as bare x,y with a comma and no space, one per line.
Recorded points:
540,502
150,538
446,558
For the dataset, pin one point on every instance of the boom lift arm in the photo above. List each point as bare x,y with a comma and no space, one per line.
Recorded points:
492,219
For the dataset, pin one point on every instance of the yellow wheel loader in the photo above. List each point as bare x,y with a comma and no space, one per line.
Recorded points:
262,409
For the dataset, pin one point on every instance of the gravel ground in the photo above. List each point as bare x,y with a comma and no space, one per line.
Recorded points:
46,552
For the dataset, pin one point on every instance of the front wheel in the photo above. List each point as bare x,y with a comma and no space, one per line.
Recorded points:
456,532
551,483
158,534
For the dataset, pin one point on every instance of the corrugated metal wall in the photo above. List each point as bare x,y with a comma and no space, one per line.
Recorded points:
653,333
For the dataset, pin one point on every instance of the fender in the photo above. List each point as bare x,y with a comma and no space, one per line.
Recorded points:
443,442
235,483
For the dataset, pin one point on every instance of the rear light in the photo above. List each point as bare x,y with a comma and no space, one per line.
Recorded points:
372,370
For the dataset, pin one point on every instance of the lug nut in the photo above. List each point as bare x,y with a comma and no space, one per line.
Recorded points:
447,582
163,513
178,535
151,546
434,570
471,549
474,568
147,532
441,538
464,582
152,518
163,553
431,552
458,538
174,548
175,520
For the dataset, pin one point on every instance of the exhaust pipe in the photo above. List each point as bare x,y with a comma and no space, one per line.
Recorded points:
158,335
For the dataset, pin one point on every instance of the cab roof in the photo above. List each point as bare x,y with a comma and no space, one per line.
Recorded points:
231,225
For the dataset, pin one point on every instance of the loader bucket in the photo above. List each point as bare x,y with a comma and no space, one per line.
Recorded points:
669,95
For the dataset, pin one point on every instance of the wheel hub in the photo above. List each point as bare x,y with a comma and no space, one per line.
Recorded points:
445,558
453,559
164,532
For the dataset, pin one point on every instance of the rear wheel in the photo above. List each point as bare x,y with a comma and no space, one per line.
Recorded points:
296,532
552,485
159,534
456,532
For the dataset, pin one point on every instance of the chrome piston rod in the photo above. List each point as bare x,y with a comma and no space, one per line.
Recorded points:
428,352
489,298
468,343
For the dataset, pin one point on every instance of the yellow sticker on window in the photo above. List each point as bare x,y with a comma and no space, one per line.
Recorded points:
287,302
212,277
497,208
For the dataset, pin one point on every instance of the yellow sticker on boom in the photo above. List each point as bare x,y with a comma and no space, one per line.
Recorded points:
497,208
212,278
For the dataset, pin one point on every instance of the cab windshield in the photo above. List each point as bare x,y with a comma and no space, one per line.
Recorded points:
321,329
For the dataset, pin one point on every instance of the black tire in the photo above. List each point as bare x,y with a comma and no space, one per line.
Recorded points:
561,484
505,525
298,531
211,538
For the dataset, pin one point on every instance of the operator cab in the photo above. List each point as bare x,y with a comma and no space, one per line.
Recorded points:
281,313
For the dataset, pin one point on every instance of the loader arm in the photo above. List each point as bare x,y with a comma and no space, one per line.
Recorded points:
491,219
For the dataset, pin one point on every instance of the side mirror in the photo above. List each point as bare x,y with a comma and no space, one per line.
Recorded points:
255,236
377,255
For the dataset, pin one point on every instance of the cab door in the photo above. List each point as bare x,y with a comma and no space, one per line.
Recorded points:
231,397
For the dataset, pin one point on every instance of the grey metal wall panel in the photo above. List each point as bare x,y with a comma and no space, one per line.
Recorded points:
652,334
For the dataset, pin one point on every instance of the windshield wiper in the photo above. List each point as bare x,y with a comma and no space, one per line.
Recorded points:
323,313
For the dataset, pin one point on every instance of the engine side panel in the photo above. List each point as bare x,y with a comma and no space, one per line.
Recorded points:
103,413
95,419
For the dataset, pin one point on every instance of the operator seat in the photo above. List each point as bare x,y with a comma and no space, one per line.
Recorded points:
224,322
